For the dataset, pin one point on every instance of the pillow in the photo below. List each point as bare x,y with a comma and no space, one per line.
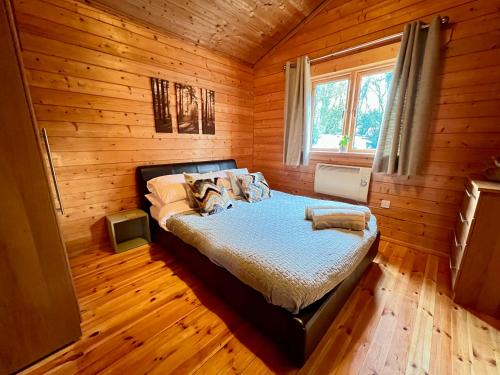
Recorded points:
162,214
169,179
190,178
254,186
233,178
211,198
155,201
223,182
226,184
203,176
169,188
170,193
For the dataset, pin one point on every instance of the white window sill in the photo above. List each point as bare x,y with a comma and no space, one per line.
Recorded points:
342,154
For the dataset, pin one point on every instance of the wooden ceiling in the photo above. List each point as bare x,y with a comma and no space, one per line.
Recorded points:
245,29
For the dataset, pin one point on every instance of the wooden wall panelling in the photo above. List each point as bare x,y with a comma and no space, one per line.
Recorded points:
464,129
89,79
378,19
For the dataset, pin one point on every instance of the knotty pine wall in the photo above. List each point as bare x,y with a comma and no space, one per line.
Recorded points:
88,74
465,128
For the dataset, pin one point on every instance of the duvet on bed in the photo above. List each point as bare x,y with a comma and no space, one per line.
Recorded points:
270,246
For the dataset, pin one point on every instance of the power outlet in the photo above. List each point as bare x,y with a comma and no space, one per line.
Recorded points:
385,204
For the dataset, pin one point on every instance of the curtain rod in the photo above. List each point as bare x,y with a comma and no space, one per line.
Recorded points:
381,41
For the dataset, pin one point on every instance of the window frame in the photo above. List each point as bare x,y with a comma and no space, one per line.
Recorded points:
314,83
354,76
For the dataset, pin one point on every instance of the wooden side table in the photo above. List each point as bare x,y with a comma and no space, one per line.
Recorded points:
128,229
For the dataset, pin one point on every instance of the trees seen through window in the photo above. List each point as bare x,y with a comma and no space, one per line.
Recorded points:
350,104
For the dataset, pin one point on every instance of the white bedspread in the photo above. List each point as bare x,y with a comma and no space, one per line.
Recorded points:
271,247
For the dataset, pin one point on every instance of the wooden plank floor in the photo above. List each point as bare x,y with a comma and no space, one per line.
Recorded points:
142,312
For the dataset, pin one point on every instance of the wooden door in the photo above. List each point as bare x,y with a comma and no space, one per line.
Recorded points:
38,309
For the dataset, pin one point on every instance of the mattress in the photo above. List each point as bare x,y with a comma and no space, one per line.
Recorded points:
270,246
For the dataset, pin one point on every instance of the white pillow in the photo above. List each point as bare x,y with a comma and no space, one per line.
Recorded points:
170,193
155,201
232,174
169,188
155,212
168,178
167,211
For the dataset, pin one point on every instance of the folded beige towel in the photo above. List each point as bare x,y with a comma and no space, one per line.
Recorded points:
338,218
365,210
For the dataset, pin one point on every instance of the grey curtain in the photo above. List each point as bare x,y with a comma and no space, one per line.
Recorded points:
404,132
297,112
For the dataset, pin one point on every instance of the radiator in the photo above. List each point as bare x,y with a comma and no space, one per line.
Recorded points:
342,181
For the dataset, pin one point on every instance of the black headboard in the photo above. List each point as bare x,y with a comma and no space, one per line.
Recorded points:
147,172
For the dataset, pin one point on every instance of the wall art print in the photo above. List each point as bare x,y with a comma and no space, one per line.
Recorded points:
207,111
161,105
187,109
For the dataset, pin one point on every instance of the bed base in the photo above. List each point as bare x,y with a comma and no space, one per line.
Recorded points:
297,334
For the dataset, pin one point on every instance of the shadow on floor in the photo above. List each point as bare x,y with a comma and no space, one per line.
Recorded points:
256,340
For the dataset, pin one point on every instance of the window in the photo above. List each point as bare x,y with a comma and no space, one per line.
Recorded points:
350,104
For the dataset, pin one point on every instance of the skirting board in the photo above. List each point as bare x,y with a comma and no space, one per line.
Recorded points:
416,247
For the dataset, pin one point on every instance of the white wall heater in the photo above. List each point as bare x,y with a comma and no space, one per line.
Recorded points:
342,181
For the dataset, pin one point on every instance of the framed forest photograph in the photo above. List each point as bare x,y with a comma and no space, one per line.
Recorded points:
161,105
187,109
207,111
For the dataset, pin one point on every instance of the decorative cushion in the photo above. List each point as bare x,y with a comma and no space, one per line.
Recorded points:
203,176
211,199
226,183
233,178
190,178
223,182
254,186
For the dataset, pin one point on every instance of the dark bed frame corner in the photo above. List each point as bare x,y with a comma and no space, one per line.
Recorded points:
297,334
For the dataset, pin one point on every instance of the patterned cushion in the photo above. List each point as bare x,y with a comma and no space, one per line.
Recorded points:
223,182
211,199
233,174
254,187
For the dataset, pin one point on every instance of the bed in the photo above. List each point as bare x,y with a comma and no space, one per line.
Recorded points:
289,294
